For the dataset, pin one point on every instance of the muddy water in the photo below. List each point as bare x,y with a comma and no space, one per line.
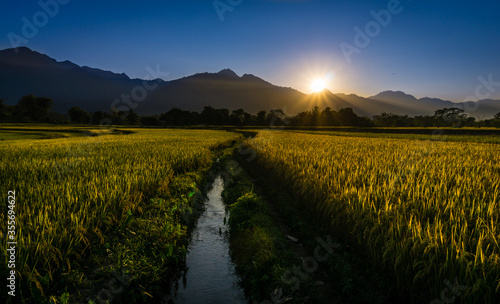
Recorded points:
210,276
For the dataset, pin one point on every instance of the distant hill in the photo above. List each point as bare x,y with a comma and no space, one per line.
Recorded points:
68,84
29,72
485,108
224,89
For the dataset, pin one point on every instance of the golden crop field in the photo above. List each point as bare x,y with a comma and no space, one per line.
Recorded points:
74,195
427,211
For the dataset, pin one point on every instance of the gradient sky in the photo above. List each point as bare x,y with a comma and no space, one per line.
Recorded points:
431,48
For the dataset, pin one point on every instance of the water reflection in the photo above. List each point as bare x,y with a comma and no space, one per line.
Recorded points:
210,276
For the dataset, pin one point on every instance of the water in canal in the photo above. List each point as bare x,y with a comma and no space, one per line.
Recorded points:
210,276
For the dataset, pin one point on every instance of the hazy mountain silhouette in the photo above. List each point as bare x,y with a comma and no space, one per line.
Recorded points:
224,89
485,108
68,84
29,72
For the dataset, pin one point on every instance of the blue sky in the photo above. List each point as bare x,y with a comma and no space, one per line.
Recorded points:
429,48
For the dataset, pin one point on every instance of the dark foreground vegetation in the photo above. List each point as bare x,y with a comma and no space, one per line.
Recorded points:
283,255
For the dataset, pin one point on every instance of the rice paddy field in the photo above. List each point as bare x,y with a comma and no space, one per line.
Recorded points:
84,202
425,211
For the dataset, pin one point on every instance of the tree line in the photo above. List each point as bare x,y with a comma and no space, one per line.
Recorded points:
31,108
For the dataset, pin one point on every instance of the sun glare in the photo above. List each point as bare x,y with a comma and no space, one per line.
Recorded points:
318,85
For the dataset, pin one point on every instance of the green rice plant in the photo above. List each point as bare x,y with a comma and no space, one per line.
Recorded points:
427,211
75,195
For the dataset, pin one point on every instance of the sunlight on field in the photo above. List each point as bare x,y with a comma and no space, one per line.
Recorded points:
426,210
74,194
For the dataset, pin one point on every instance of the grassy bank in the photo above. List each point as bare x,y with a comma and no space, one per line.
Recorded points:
258,248
283,253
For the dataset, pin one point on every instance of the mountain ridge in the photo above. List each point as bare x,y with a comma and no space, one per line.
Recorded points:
68,84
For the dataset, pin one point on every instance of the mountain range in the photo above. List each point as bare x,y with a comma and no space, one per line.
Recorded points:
24,72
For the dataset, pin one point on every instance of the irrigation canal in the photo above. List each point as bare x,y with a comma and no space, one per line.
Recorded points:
210,274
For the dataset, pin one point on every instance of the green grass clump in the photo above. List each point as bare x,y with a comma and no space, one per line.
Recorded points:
254,243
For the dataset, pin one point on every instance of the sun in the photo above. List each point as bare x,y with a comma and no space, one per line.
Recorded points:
318,85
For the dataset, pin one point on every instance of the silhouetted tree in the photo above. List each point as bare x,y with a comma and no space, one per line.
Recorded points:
450,117
315,116
347,117
149,121
178,117
117,117
392,120
33,108
5,111
79,115
132,118
2,106
208,115
495,122
301,119
221,116
471,122
261,118
277,118
423,121
97,117
364,121
57,118
240,117
211,116
328,117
